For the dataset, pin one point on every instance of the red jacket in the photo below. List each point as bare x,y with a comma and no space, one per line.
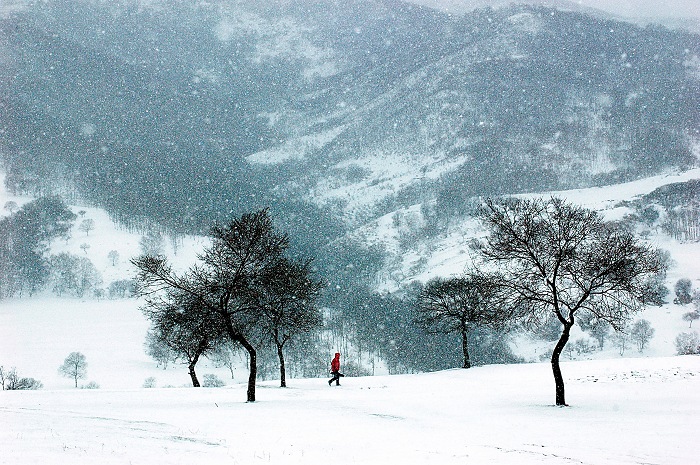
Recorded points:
335,363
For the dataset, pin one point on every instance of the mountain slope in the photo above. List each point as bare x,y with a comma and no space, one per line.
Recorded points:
166,110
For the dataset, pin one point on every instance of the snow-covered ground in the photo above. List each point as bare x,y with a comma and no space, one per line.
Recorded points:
631,411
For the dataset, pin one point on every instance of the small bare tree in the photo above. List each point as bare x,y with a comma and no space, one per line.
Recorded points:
113,257
641,333
11,206
87,225
690,317
460,305
3,376
74,366
288,305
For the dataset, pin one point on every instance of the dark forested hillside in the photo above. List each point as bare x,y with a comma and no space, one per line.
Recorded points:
153,110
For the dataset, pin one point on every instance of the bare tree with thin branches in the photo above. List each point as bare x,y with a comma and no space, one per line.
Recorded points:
557,258
459,305
224,286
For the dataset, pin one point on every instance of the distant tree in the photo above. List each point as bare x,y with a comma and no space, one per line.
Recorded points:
598,329
73,275
4,373
74,366
113,257
620,340
85,247
212,381
152,244
555,258
87,225
460,305
684,291
657,291
15,383
641,333
223,356
149,383
688,343
158,350
691,316
121,288
11,206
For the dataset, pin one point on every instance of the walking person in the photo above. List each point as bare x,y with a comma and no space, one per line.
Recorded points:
335,370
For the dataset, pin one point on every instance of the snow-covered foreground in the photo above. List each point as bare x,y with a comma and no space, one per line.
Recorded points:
626,411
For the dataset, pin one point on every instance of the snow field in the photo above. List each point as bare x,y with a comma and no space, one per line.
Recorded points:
625,411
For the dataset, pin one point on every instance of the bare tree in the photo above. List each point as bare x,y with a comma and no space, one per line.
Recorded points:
641,333
178,324
224,356
11,206
684,291
688,343
459,305
690,317
87,225
74,366
113,257
224,285
288,303
557,258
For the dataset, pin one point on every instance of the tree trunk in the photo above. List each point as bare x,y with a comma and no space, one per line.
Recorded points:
252,354
283,376
250,393
556,370
193,375
465,348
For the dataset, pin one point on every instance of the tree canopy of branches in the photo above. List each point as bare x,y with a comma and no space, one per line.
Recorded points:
288,306
459,305
228,291
556,258
74,366
179,326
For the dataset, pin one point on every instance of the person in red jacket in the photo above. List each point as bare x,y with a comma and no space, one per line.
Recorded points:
335,370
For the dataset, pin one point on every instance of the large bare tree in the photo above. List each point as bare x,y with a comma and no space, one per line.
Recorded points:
557,258
224,286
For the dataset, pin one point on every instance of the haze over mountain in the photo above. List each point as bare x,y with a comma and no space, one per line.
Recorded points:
333,112
639,9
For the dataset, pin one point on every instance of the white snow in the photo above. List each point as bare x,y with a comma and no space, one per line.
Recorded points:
641,411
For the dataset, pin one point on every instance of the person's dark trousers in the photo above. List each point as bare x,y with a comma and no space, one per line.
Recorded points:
336,378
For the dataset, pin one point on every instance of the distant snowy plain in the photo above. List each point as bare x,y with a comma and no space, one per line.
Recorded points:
635,409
